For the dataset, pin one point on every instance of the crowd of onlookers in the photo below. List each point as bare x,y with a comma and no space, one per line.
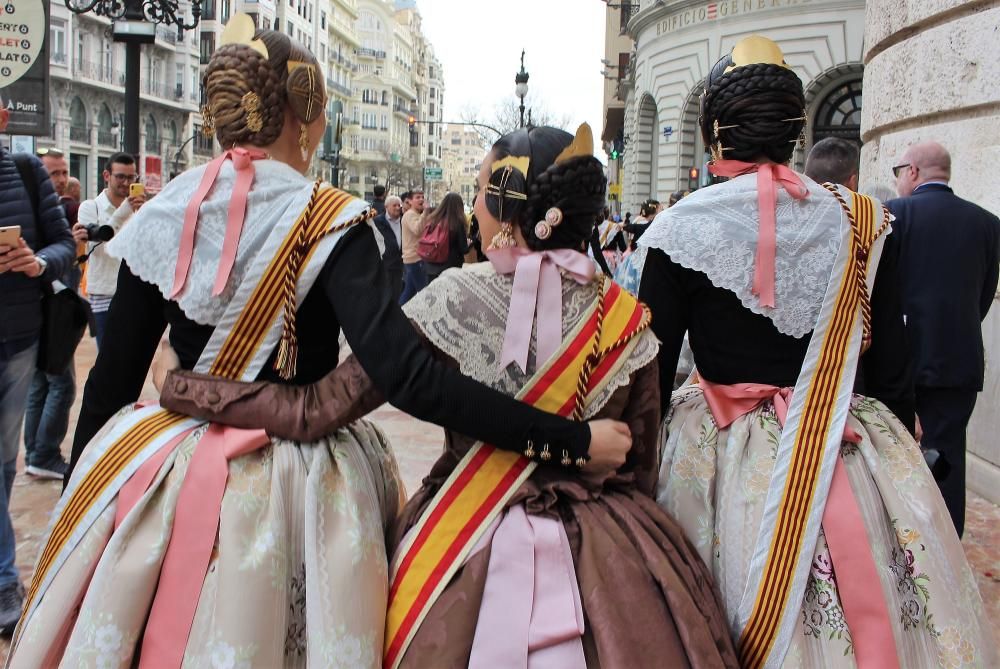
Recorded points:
947,266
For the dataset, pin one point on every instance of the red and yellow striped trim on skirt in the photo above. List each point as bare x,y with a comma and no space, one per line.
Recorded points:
479,487
799,496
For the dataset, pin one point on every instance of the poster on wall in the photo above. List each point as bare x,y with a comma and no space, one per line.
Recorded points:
24,65
153,173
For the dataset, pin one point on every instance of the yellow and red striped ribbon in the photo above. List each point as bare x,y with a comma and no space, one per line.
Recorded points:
787,546
479,487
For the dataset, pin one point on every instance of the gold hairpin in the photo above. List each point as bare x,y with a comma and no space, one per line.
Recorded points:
756,49
716,127
250,102
792,120
240,30
520,163
583,145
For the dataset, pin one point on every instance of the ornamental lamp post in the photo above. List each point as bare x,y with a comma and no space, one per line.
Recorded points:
134,23
521,86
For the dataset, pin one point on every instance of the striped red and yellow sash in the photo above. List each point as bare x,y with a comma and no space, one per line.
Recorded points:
479,487
240,347
778,592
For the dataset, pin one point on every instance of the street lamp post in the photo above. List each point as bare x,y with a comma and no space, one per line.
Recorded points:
521,86
134,24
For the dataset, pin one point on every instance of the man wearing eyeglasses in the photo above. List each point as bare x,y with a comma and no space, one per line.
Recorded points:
97,221
949,264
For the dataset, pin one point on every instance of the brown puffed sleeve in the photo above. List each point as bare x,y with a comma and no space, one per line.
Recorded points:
299,413
642,414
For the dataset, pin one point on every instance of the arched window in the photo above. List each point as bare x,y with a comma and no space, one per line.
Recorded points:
152,135
105,135
79,130
646,151
839,114
173,134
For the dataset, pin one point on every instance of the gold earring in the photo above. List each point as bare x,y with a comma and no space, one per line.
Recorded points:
208,121
304,142
503,239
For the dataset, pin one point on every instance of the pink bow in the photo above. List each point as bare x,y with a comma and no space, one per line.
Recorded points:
769,177
537,289
243,163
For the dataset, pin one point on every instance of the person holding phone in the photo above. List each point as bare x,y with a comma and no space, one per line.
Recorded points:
35,246
99,220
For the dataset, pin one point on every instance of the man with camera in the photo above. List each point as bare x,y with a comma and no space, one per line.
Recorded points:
97,222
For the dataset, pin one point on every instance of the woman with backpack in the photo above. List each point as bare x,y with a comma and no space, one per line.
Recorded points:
446,237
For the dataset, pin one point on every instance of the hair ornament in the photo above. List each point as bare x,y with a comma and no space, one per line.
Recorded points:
583,145
756,49
716,127
305,89
553,217
250,102
208,118
240,30
543,230
520,163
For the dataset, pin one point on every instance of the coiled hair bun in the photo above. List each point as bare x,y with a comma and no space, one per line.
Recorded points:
762,102
236,70
576,186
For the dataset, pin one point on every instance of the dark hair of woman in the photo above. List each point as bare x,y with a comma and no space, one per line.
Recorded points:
237,70
451,212
648,208
577,187
762,103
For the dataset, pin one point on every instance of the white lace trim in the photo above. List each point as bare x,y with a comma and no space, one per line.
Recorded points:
714,231
464,314
150,243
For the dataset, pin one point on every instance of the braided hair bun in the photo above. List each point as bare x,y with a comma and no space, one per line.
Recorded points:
762,101
248,93
576,186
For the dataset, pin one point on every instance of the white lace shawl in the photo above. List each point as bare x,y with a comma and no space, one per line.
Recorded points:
714,230
150,242
464,314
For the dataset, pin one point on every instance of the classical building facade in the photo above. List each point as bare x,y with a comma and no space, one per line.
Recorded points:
677,41
950,97
618,48
376,62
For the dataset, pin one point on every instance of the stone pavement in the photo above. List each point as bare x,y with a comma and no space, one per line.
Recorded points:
417,446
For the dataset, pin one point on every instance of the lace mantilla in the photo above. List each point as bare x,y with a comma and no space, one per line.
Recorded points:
150,242
714,230
464,314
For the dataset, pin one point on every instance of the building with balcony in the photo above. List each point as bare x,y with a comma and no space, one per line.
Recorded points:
87,94
618,46
677,41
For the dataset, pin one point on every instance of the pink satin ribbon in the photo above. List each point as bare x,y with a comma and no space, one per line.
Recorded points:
243,163
531,594
537,290
769,177
192,538
858,584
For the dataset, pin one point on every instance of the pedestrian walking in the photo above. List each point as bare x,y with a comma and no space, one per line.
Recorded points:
35,247
414,275
949,262
378,199
390,227
450,217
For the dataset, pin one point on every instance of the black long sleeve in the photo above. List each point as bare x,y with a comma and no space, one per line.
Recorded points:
405,371
660,289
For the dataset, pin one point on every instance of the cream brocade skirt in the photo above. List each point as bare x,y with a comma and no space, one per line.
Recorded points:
298,575
714,482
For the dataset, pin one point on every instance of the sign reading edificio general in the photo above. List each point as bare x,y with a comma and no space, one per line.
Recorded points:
713,11
24,65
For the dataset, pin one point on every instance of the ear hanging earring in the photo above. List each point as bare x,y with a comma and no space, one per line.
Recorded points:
503,239
304,141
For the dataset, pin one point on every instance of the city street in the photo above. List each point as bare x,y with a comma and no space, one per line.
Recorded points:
417,444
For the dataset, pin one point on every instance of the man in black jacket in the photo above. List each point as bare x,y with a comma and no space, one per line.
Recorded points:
42,251
389,225
949,262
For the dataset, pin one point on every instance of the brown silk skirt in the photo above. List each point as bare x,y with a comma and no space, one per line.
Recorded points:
648,599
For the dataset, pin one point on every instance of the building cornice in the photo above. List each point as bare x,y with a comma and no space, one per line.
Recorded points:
656,10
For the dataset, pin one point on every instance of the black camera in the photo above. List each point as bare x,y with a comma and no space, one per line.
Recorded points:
99,233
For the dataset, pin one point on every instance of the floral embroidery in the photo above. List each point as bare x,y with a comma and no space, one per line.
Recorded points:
347,651
955,651
822,613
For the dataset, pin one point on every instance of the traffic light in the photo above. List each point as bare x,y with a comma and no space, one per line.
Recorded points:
693,175
614,153
412,121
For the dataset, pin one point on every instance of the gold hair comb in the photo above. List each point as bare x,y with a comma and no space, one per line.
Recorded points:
583,145
756,49
240,30
520,163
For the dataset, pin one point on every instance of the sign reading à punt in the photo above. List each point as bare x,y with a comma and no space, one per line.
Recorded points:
24,62
713,11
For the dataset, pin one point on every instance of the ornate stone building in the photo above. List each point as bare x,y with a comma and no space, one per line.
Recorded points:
677,41
931,73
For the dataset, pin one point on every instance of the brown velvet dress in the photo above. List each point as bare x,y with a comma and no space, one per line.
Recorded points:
647,597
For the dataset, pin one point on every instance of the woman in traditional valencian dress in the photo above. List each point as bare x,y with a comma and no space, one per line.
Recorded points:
179,542
503,560
825,531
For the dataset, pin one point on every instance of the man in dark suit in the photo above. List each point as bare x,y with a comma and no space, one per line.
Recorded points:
949,262
389,225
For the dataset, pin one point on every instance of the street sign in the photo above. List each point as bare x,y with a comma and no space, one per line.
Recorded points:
24,65
433,174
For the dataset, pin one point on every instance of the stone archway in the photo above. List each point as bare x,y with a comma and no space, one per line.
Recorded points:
645,146
693,151
833,107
